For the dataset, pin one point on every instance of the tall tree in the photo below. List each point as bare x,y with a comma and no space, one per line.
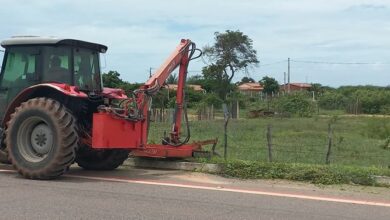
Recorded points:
270,85
215,81
112,79
231,52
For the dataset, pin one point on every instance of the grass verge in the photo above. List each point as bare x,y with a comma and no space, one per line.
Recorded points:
317,174
357,141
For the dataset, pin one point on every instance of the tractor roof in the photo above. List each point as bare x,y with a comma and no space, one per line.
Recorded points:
34,40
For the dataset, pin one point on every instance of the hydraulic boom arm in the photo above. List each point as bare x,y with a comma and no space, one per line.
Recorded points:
179,58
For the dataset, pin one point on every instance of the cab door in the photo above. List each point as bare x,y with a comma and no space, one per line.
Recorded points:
18,73
3,90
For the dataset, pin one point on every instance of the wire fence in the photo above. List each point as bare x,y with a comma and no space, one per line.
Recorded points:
291,140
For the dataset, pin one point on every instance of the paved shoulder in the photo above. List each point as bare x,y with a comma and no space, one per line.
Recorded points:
155,194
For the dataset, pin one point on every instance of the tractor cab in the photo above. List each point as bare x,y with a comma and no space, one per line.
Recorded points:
29,61
32,60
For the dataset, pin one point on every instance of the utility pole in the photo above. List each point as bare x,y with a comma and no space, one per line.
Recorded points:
288,74
150,72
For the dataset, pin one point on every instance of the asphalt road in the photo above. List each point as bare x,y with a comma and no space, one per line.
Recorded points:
148,194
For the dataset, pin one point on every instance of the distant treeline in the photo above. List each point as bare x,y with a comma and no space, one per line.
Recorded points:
357,99
351,99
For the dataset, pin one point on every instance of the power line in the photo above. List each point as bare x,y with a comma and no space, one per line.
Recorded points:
337,63
269,64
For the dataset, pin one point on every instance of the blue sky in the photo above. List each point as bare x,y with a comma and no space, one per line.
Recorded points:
141,34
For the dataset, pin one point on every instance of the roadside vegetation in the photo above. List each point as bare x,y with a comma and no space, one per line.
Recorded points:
317,174
359,118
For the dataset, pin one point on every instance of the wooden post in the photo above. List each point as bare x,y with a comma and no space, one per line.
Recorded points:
235,109
330,142
238,109
225,140
172,114
269,141
357,106
212,111
226,118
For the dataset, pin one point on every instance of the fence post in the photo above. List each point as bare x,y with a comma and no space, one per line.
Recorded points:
235,109
171,115
212,111
226,117
269,141
330,143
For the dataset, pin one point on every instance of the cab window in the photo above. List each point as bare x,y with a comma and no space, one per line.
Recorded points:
57,65
20,67
86,69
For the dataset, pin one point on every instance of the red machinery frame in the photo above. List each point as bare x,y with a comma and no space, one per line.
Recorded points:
116,131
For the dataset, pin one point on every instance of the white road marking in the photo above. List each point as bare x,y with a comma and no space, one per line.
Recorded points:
219,188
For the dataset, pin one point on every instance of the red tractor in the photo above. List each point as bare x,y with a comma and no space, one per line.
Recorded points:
55,111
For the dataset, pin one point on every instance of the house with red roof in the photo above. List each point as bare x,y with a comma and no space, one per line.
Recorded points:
250,89
295,87
197,88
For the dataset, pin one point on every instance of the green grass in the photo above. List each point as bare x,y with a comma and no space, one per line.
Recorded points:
317,174
358,141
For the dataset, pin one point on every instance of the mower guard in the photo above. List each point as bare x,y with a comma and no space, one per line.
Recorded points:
110,132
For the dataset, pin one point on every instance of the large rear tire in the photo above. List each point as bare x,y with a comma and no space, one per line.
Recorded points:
91,159
41,139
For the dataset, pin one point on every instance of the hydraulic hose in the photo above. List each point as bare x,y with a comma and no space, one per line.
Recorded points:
190,57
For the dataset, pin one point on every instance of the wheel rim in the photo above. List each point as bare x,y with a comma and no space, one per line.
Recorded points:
35,139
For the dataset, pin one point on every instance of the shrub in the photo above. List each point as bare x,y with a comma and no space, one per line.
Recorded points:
296,103
378,128
332,100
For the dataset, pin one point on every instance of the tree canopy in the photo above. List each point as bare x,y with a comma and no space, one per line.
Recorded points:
246,79
231,52
112,79
270,85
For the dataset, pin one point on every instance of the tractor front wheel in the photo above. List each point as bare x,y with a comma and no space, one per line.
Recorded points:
91,159
41,139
